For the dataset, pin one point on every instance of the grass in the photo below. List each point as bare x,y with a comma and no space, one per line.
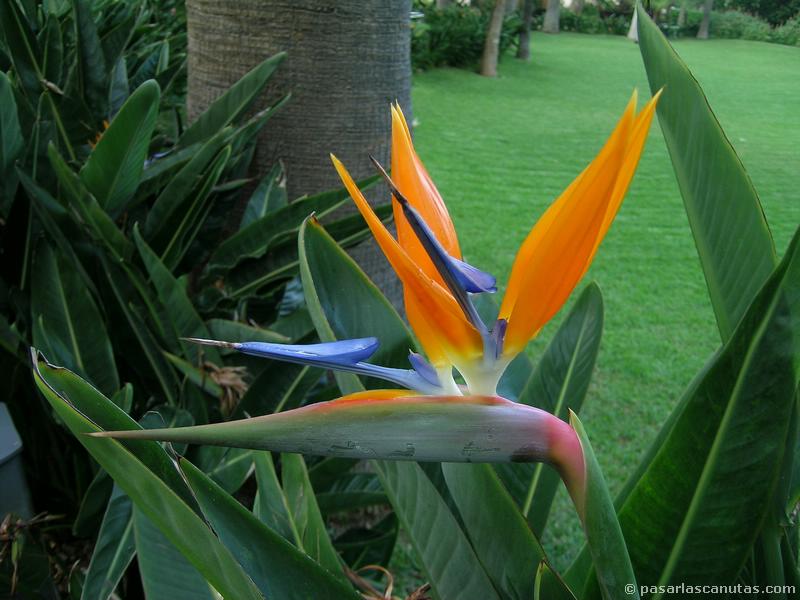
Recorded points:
502,149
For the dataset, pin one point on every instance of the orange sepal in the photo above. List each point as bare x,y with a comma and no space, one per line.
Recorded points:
413,181
435,316
560,247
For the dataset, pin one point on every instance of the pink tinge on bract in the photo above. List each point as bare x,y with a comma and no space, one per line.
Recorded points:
567,457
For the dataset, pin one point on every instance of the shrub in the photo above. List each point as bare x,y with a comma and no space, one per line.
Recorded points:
454,36
788,33
738,25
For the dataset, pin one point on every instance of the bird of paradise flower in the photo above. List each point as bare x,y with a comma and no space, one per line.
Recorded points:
434,418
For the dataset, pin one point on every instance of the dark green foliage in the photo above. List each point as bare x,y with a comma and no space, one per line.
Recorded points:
455,36
739,25
109,211
775,12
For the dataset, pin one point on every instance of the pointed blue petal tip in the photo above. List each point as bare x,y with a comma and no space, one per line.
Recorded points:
423,368
473,279
329,354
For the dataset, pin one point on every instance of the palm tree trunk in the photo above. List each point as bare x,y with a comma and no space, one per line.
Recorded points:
524,49
347,60
702,33
491,47
552,16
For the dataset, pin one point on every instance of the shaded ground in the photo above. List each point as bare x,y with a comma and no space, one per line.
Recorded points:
501,150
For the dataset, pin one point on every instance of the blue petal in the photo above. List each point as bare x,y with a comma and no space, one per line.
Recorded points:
498,336
473,279
424,368
330,355
454,275
344,355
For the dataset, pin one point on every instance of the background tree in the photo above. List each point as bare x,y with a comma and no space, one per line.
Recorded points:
776,12
491,47
702,33
552,16
347,61
524,48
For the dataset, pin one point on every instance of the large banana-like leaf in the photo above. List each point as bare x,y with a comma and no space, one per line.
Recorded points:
183,317
90,72
502,539
113,169
306,514
326,270
731,233
67,322
270,504
11,144
279,569
231,105
169,208
165,573
694,508
445,554
151,494
558,384
96,220
269,196
113,550
255,239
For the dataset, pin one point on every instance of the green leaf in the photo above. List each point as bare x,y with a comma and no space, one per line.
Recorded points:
270,505
255,240
499,533
182,316
449,561
68,322
269,196
113,551
549,586
731,233
196,212
98,223
306,515
113,169
725,440
558,384
165,573
278,387
234,331
170,205
234,103
91,64
158,501
326,270
351,491
610,555
159,367
277,567
229,468
11,144
23,48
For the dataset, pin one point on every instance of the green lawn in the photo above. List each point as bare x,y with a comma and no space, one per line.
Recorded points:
502,149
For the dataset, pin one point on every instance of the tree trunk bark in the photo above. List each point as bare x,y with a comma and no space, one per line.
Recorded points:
552,16
524,49
442,4
491,47
633,32
682,15
347,61
702,33
577,6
